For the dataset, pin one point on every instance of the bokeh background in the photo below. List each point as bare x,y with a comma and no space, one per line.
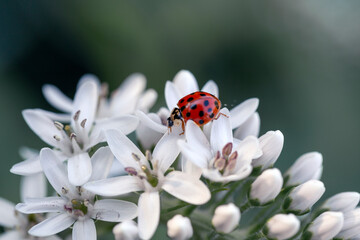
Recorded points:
300,58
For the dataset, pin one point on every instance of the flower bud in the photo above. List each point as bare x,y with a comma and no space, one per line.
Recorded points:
304,196
351,226
342,202
306,167
179,228
126,230
226,218
326,226
266,187
271,144
282,226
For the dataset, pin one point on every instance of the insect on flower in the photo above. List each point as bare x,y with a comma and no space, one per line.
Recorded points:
201,107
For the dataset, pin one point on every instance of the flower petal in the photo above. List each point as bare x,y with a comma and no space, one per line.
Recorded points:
172,95
85,100
185,82
61,117
84,230
251,127
57,98
27,167
189,167
211,87
26,152
187,188
148,137
33,186
149,214
79,169
55,171
126,124
101,163
114,186
166,151
125,97
192,155
88,77
243,111
7,212
197,140
11,235
42,126
147,100
151,123
52,225
42,205
123,148
221,132
112,210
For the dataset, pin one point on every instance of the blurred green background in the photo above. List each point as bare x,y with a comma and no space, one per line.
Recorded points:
301,58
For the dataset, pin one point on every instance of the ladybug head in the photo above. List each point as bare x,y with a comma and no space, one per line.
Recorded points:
175,118
170,122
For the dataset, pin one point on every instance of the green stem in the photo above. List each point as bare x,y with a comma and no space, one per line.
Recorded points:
181,205
229,193
189,210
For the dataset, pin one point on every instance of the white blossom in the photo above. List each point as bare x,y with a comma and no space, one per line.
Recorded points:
282,226
126,230
326,226
342,202
271,144
304,196
351,226
251,127
226,218
149,178
306,167
267,186
223,159
179,228
74,205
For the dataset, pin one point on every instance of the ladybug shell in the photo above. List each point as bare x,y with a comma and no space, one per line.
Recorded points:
201,107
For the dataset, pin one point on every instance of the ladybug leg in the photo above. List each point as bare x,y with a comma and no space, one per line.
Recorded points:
182,126
221,114
169,130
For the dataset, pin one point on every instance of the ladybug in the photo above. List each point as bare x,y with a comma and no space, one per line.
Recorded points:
201,107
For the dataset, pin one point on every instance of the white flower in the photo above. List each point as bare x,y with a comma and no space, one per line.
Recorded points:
185,83
282,226
17,223
271,144
179,228
304,196
351,226
251,127
224,159
226,218
342,202
74,204
326,226
267,186
127,98
149,178
306,167
126,230
73,141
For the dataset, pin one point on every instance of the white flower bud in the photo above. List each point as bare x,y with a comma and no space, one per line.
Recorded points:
326,226
342,202
282,226
306,167
179,228
267,186
304,196
271,144
126,230
351,227
226,218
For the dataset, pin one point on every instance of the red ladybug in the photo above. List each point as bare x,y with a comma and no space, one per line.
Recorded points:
201,107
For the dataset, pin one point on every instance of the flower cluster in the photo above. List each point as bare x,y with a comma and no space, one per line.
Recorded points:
198,181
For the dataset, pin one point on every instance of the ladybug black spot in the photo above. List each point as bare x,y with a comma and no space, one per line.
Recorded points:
190,99
182,108
182,100
201,121
201,113
202,94
193,106
211,115
216,104
206,103
209,110
188,114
